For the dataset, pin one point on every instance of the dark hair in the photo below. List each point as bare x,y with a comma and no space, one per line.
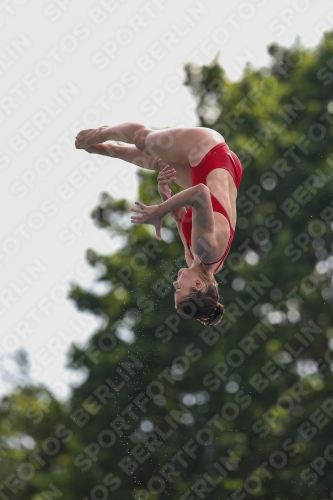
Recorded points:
203,306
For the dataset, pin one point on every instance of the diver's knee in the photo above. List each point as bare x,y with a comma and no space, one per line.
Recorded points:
140,138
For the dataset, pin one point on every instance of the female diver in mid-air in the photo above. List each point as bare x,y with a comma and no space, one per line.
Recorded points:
200,161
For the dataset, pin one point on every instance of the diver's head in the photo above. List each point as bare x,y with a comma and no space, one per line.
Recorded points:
197,296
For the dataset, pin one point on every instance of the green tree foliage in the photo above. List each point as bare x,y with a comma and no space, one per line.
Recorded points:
167,408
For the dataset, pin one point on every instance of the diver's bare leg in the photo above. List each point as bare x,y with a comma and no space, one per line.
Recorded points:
133,155
185,145
126,132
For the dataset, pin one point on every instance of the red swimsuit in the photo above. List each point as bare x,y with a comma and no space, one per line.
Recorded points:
219,156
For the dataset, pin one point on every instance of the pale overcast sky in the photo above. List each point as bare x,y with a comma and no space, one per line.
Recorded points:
66,65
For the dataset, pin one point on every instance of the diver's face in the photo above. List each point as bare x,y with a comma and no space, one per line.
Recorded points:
187,279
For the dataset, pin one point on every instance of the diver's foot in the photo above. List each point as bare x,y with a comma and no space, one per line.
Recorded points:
98,149
91,137
102,149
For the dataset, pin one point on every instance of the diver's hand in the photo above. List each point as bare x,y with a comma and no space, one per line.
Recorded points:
148,215
164,178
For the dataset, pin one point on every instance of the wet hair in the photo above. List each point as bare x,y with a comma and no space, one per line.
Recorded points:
203,305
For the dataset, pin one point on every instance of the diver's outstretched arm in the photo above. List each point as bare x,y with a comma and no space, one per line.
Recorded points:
203,226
